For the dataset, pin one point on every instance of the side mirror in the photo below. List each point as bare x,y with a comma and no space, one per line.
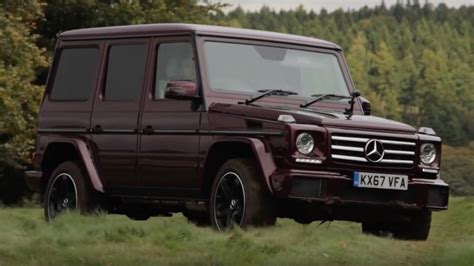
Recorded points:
181,90
366,106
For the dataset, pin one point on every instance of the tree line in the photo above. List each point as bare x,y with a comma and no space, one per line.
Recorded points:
413,61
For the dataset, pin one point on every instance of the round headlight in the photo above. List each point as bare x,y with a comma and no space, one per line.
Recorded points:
427,153
305,143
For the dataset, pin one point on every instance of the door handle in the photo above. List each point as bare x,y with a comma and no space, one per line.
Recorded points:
97,129
148,130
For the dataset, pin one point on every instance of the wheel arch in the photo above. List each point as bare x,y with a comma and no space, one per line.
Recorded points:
69,150
224,149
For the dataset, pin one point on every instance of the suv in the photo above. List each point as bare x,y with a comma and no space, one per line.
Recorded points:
228,126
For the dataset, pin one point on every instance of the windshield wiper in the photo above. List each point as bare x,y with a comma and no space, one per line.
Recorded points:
320,97
349,111
268,93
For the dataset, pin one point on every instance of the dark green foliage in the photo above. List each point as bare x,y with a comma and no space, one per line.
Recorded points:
62,15
458,169
19,98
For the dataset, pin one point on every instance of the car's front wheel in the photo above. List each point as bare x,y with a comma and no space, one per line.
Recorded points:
418,228
67,190
239,197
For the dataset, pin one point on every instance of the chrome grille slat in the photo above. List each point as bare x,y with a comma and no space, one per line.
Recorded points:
384,141
346,148
397,161
350,139
398,152
349,158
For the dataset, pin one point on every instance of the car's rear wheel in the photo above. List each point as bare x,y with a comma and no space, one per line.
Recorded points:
417,229
239,197
67,190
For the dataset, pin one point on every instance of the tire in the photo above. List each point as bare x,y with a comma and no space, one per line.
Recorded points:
239,197
417,229
68,189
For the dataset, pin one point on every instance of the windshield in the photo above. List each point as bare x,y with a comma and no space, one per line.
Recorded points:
251,68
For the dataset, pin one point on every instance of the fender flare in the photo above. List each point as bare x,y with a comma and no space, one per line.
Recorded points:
264,158
86,158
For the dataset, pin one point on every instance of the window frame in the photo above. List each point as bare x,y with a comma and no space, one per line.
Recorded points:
103,83
276,45
217,96
173,105
106,106
156,48
54,71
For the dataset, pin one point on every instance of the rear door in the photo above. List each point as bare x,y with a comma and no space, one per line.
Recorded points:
67,104
167,161
116,109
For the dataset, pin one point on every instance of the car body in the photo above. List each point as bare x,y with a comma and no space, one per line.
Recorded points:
149,135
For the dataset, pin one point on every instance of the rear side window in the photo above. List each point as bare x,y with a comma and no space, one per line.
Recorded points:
125,72
75,75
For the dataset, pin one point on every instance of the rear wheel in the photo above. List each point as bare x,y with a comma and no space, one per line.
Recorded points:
239,197
417,229
67,190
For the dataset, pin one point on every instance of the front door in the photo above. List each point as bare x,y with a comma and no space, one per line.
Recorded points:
116,110
167,161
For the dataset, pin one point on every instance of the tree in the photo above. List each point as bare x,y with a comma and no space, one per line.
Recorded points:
19,97
440,108
384,80
358,59
62,15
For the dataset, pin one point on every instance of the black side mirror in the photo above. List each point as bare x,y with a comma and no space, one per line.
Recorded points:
366,106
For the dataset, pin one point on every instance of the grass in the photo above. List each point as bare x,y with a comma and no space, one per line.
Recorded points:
25,239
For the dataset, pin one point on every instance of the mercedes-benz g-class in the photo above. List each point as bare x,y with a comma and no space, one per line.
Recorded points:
228,126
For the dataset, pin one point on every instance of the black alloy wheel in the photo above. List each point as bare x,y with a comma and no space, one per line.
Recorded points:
240,197
69,189
229,201
62,196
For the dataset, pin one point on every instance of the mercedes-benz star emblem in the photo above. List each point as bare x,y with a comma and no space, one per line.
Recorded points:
374,151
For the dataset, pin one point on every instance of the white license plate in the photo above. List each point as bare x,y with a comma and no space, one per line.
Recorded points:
382,181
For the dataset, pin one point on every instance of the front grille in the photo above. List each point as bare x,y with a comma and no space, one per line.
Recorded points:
398,153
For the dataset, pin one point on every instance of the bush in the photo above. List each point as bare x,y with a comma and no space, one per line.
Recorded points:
457,169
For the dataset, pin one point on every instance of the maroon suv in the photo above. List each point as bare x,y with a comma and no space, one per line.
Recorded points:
228,126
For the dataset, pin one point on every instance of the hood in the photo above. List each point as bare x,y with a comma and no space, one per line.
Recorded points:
314,117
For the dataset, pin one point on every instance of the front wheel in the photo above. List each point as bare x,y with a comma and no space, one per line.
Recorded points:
239,197
67,190
418,228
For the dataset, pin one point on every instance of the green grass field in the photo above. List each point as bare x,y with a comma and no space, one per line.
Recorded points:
25,239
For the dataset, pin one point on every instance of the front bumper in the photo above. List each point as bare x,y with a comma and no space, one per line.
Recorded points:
332,188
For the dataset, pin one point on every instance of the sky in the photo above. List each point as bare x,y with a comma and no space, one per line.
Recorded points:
329,5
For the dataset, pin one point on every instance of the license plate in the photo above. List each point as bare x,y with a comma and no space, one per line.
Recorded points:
381,181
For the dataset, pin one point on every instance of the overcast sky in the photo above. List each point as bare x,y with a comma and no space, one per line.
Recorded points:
329,5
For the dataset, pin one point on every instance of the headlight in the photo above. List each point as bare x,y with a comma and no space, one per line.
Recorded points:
305,143
427,153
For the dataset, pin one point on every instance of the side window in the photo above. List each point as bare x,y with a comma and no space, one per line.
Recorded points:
75,75
175,62
125,72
